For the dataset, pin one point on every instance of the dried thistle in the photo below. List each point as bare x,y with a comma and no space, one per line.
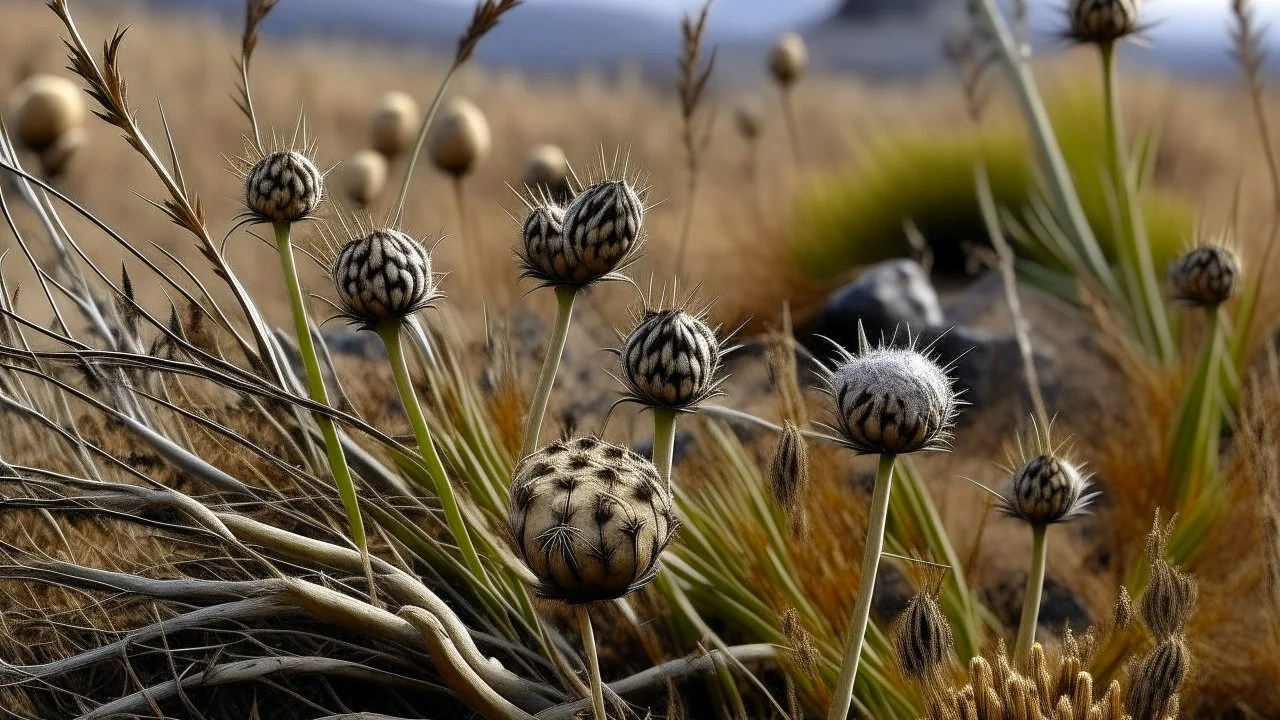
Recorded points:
1046,488
789,474
283,187
923,639
1205,276
1102,22
1169,600
1153,687
383,276
671,359
546,173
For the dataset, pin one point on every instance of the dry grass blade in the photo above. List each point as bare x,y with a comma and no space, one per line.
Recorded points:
691,86
255,11
485,18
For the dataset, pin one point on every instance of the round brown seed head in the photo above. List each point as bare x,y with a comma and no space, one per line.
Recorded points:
590,519
43,109
923,640
1154,684
284,187
1205,276
670,360
459,137
1046,490
1103,21
55,158
602,226
788,59
385,275
394,124
362,177
545,165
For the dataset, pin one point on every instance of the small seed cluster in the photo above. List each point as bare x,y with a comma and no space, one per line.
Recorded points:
1047,489
383,276
586,242
283,187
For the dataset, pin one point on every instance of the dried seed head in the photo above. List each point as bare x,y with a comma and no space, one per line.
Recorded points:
890,400
590,519
1169,600
55,158
602,227
746,117
1122,614
1045,490
803,650
385,275
788,59
923,639
394,124
459,137
546,169
362,177
671,360
1153,687
1205,276
284,186
1103,21
43,109
789,472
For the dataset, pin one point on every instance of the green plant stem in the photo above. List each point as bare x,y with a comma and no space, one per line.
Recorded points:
420,141
315,383
842,697
1154,323
550,365
664,441
593,661
390,333
1031,600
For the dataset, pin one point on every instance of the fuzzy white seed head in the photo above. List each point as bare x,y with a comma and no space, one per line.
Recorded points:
385,275
788,59
362,177
1205,276
590,519
394,124
43,110
1103,21
459,137
671,360
284,186
1047,489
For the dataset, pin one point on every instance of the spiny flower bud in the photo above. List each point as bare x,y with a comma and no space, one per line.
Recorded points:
385,275
284,186
459,137
394,124
1103,21
590,519
1046,490
923,641
789,472
670,360
1155,682
788,59
43,109
602,226
890,400
362,177
1205,276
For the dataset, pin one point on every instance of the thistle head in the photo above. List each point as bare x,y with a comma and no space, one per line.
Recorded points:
890,400
602,227
1205,276
590,519
383,276
1046,488
283,187
671,359
788,59
43,110
394,124
362,177
923,640
1103,21
459,137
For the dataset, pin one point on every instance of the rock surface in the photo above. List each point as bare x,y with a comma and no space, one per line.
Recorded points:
889,298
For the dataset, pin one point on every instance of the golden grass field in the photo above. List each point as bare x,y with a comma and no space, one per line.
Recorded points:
1208,155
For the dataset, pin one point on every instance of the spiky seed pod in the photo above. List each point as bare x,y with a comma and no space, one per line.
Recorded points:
1103,21
1155,682
1047,489
284,186
788,59
789,471
602,226
362,177
43,109
459,137
923,640
891,400
671,360
546,167
590,519
394,124
55,158
1205,276
383,276
1169,600
746,117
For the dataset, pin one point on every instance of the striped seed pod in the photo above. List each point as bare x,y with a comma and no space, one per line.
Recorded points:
1169,600
1153,687
590,519
670,360
545,256
602,226
788,59
923,641
789,471
383,276
1046,490
1205,276
1103,21
284,186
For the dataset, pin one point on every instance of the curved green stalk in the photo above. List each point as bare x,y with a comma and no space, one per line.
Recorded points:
593,661
550,365
420,141
390,334
1194,443
1031,600
315,384
664,441
842,697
